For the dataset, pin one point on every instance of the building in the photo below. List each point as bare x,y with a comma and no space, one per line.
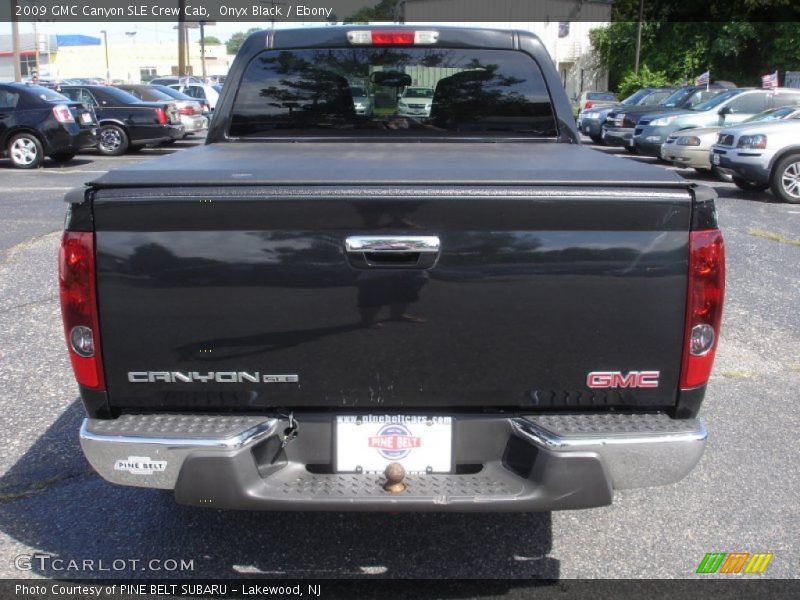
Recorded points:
67,56
562,25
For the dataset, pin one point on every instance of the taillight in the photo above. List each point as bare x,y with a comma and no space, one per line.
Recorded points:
62,114
368,37
705,292
76,282
588,105
186,110
161,115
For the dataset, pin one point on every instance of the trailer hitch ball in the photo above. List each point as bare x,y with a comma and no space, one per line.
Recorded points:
394,473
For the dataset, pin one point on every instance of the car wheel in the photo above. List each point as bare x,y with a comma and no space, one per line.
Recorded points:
749,186
721,175
62,157
785,179
597,140
25,151
113,140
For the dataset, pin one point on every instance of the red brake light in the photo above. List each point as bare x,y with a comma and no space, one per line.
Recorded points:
392,38
588,105
76,282
161,116
62,114
705,292
186,110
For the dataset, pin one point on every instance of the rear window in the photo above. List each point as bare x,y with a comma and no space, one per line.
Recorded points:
415,92
601,96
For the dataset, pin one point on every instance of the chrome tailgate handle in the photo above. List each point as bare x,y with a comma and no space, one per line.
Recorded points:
393,243
392,251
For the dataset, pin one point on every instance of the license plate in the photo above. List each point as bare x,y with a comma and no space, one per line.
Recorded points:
715,159
86,118
367,443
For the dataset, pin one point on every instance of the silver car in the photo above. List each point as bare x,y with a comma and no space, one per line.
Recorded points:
761,156
362,101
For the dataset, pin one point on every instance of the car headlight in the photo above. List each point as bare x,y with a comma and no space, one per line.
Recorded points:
427,107
688,140
402,104
662,121
753,142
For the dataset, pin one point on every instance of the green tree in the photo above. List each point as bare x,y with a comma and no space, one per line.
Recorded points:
212,40
237,39
385,10
644,78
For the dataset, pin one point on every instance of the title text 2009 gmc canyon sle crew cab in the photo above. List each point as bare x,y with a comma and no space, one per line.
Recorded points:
504,319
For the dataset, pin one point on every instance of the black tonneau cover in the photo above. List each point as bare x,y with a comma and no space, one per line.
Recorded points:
356,162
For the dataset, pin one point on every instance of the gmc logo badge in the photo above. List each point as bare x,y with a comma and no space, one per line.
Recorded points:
615,379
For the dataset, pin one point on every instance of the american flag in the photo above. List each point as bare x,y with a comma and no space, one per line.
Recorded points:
769,82
703,79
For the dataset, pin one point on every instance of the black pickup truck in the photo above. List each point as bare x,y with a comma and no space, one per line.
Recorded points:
463,310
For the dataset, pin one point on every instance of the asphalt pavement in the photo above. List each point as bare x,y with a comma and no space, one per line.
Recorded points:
741,497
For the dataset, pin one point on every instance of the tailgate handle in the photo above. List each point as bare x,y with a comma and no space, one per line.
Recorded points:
392,251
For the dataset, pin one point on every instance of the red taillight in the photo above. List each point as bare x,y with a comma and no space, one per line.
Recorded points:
76,282
186,110
62,114
705,292
588,105
161,115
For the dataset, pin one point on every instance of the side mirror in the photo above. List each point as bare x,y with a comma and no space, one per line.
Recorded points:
725,110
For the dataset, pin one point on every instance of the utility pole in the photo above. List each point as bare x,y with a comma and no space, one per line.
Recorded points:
181,39
203,48
15,41
108,68
36,49
639,37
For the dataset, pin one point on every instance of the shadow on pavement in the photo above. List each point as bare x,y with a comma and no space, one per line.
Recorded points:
52,501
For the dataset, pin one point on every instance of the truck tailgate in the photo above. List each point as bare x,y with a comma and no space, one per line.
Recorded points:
244,297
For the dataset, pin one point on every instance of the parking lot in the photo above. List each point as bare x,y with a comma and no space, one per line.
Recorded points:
741,497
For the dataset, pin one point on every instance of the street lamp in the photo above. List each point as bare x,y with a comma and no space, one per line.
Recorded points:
105,43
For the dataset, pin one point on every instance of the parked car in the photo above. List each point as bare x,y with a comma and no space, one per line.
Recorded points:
691,147
415,102
362,101
620,125
127,123
36,122
762,155
728,108
593,99
590,122
174,80
200,91
189,110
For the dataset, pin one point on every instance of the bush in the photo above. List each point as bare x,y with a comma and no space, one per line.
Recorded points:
644,78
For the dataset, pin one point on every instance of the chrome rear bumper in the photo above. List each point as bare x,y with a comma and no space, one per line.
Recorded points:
543,462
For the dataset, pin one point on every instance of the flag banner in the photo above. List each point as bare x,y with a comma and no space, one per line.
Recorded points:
769,81
703,79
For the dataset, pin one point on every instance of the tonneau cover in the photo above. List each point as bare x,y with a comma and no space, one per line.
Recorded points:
357,162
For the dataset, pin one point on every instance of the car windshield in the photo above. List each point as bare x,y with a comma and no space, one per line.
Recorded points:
635,98
120,96
772,114
601,96
47,94
472,92
675,98
149,93
357,91
172,93
716,100
418,93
